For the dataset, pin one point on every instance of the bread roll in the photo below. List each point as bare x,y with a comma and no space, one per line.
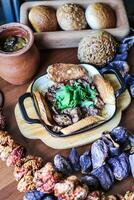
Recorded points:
105,89
87,121
61,72
43,18
98,48
100,16
71,17
43,109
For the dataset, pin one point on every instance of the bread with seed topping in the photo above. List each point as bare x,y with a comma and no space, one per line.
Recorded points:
71,17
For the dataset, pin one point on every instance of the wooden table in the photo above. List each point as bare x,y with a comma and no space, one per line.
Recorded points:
8,189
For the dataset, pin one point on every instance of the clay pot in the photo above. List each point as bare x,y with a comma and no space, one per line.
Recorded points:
18,67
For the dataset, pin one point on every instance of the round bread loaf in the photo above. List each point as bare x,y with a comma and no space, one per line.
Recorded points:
43,18
100,15
98,48
71,17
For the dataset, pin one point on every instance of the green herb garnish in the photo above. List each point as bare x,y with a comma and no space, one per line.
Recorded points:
77,95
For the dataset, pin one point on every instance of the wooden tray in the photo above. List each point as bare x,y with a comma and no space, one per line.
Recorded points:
66,39
36,131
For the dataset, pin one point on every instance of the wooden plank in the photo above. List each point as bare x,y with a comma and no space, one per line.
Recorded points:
66,39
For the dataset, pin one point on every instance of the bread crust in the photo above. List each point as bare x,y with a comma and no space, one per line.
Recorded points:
61,72
90,120
71,17
100,16
98,48
43,108
43,18
105,89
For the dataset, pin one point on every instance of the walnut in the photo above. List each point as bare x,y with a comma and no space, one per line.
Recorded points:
15,156
46,178
129,195
28,164
5,138
96,195
64,190
7,144
26,183
7,151
71,189
80,192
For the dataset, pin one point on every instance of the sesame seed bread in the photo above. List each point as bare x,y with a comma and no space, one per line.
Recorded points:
71,17
97,48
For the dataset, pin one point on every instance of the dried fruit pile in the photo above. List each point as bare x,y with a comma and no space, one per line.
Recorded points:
110,158
119,62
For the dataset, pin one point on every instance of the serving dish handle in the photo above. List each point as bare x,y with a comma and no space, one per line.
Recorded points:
112,70
102,71
23,110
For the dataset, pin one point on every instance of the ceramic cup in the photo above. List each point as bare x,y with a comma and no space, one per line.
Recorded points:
20,66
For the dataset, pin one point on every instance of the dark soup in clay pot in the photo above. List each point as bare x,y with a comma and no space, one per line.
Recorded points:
19,57
12,43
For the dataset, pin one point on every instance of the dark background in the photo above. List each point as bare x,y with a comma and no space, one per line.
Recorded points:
129,4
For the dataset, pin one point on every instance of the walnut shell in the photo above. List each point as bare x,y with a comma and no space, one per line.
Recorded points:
26,184
71,189
46,178
30,164
98,48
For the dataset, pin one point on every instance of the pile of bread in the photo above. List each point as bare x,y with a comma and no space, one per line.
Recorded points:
71,17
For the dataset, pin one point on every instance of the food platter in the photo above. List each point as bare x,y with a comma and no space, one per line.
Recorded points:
66,39
36,131
71,103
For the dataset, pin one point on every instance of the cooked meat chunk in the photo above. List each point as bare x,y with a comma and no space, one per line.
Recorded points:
98,103
50,97
74,113
84,81
88,111
50,94
56,129
62,120
55,110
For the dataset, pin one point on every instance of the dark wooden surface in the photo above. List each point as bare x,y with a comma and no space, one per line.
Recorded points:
8,189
